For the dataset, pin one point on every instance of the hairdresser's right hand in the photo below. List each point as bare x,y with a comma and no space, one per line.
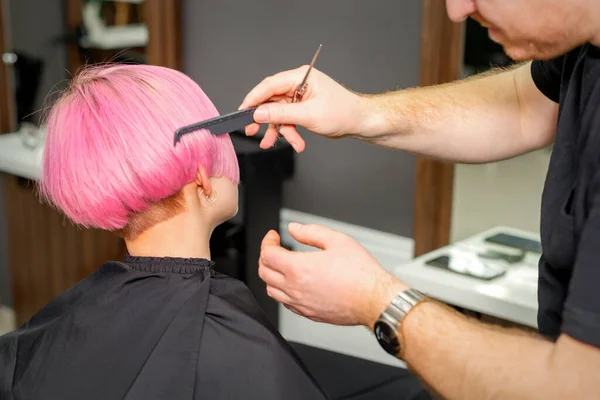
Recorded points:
327,108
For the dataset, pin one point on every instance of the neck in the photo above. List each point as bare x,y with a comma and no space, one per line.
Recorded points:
185,235
594,15
596,40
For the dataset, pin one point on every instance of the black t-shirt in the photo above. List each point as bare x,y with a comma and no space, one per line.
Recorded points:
569,278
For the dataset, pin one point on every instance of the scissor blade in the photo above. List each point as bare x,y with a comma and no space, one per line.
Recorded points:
220,125
310,67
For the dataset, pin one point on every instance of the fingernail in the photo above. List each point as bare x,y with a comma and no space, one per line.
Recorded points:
295,146
294,225
261,115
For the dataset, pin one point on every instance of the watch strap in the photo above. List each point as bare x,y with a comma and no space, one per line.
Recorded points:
387,327
402,303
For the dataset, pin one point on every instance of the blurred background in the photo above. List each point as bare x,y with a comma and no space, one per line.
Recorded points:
466,234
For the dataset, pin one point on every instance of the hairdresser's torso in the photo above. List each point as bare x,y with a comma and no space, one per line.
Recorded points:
569,224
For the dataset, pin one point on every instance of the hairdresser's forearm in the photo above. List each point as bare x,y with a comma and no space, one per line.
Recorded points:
485,118
463,359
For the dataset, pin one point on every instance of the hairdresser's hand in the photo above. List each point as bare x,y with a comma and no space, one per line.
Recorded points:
327,108
340,284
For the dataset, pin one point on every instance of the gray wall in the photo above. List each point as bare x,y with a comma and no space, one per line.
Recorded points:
230,45
35,25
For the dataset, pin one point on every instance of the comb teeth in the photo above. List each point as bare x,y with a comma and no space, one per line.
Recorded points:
219,125
179,133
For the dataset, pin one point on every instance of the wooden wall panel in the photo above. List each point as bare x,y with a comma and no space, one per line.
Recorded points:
7,111
47,254
73,19
441,60
163,18
164,21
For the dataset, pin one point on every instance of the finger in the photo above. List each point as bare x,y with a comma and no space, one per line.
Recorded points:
252,129
305,314
271,277
283,113
276,257
292,136
279,97
271,239
279,259
293,309
270,137
314,235
282,83
278,295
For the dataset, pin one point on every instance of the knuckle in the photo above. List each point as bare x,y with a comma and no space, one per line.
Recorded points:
297,295
309,313
277,112
292,275
289,307
311,113
263,258
301,279
310,228
297,277
343,238
267,81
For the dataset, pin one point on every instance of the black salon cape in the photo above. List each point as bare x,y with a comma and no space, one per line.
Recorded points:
152,328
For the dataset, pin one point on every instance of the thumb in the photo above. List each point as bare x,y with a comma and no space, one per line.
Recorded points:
281,113
271,239
313,235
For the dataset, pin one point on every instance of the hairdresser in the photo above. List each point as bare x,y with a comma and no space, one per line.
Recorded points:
486,119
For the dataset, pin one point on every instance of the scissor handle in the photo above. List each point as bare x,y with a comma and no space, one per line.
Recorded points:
299,92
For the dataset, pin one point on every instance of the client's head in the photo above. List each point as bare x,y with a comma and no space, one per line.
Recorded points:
109,159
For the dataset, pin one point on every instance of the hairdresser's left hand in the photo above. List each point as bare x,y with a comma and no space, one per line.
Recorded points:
340,284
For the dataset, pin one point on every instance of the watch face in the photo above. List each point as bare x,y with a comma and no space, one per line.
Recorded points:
387,337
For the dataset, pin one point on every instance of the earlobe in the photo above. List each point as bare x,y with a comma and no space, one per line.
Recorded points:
208,198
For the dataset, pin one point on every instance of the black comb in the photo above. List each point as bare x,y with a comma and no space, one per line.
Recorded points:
220,125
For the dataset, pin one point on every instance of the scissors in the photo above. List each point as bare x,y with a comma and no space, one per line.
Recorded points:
301,88
239,119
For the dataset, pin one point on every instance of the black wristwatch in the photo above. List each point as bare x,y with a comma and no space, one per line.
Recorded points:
386,327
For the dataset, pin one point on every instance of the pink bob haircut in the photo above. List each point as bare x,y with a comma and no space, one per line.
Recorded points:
109,152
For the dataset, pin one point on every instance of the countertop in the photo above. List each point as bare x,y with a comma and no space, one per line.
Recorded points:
18,159
512,297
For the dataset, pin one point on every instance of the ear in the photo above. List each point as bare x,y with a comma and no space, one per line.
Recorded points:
202,181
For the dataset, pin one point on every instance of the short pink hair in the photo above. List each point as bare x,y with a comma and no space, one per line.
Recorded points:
109,150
